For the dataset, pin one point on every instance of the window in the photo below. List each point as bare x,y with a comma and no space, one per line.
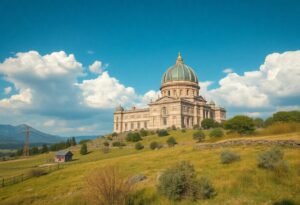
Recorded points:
138,125
131,125
169,93
180,92
125,126
145,124
187,92
164,110
117,126
164,121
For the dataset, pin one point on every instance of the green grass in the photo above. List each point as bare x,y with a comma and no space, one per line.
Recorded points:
238,183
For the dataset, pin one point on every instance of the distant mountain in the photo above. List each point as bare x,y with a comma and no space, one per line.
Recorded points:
14,136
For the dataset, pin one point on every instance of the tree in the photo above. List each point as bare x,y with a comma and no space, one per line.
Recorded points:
34,150
44,149
73,141
284,116
240,124
83,149
171,141
208,123
258,122
199,135
154,145
114,134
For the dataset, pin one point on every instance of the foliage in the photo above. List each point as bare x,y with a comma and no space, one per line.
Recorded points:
44,149
143,133
34,150
258,122
114,134
180,182
133,137
227,157
240,124
287,116
217,132
106,143
183,130
162,133
83,149
173,127
199,136
171,141
154,145
280,128
209,123
114,188
139,146
118,144
272,160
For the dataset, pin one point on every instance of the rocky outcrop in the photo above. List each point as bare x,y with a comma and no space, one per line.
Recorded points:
248,142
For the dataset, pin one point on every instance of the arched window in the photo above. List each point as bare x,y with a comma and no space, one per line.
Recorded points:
169,93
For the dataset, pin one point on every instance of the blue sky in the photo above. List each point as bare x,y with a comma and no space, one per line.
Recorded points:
139,40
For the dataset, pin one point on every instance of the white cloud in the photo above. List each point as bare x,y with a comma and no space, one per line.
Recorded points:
274,82
18,100
7,90
97,67
228,70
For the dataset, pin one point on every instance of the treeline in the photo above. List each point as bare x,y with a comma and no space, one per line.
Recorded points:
46,148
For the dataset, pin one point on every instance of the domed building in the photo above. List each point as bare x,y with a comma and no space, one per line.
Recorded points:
180,104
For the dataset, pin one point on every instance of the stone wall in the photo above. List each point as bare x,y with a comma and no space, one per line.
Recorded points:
228,143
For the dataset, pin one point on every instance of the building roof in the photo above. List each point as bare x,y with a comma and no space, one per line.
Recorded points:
63,153
179,72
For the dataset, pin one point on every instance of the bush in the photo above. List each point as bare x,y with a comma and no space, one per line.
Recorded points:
171,141
37,172
114,188
106,143
114,134
154,145
228,157
258,122
209,123
199,136
173,127
180,182
287,116
162,133
133,137
139,146
83,149
143,133
218,132
272,160
118,144
240,124
183,130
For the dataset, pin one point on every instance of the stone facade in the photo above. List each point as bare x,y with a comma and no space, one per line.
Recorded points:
180,104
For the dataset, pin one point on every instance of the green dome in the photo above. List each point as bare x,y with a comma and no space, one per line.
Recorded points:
179,72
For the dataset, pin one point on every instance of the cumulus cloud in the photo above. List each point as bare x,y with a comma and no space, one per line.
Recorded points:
228,70
97,67
275,83
7,90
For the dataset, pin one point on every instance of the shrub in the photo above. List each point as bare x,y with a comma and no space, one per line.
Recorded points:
272,160
180,182
118,144
106,143
37,172
173,127
133,137
114,188
114,134
199,136
162,133
287,116
183,130
171,141
240,124
228,157
154,145
218,132
258,122
83,149
139,146
209,123
143,133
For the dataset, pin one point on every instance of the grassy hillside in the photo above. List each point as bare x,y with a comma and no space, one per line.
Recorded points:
238,183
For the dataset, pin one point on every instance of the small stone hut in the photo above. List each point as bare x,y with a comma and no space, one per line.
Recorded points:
63,156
